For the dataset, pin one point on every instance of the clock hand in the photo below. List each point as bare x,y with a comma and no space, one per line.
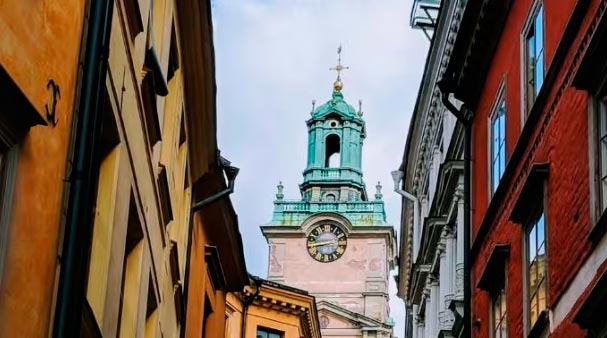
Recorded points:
332,241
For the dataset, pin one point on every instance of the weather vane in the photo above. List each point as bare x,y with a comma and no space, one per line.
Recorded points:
339,66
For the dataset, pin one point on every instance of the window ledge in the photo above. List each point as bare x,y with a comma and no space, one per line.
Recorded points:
599,229
532,188
493,275
540,327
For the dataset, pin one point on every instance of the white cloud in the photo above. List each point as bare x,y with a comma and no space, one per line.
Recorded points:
273,58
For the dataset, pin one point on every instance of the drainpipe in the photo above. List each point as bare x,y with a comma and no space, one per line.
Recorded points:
245,306
446,86
83,176
230,173
398,176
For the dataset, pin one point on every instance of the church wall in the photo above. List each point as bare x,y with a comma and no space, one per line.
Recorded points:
362,268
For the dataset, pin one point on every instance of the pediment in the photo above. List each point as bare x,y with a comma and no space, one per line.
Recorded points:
339,317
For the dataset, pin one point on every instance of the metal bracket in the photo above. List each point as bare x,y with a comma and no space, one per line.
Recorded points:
51,114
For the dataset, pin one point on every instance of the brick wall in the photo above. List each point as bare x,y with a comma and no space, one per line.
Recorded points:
560,138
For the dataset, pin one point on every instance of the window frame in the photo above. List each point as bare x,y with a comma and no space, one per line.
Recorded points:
538,212
526,102
500,99
8,173
501,294
598,196
269,331
494,280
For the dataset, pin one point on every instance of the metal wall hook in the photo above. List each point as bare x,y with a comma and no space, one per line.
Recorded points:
51,114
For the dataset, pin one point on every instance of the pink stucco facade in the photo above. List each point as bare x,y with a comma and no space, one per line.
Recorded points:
355,284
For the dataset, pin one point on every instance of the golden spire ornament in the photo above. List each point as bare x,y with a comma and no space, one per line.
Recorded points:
338,85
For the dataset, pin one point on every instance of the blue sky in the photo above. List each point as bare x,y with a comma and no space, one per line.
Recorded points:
273,58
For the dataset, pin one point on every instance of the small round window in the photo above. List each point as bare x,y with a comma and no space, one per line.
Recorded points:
333,123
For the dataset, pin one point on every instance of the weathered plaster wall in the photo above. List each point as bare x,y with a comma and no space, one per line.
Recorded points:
40,40
362,268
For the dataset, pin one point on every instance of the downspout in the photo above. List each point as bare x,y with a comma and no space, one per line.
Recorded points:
398,176
230,173
83,175
245,306
446,86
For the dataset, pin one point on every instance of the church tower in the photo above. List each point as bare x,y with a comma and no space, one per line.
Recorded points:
334,241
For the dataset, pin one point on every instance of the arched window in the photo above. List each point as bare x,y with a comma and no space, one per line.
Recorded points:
332,154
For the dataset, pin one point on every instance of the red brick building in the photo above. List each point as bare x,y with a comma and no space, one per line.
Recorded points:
531,74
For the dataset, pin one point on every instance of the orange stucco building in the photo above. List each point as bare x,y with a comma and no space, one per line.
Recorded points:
39,50
266,309
115,217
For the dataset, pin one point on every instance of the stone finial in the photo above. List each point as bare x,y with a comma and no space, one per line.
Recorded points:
360,107
378,194
313,107
279,194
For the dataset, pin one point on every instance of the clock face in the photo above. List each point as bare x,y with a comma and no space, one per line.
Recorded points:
326,243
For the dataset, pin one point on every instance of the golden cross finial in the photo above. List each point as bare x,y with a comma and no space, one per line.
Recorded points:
339,68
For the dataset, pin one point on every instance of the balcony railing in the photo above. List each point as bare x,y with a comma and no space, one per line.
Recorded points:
302,206
359,213
324,174
329,173
424,15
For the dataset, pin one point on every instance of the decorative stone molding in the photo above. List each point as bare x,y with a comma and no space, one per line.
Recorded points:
431,116
446,319
459,281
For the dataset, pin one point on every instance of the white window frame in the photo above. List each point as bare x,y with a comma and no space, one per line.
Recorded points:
597,107
529,22
533,221
496,327
500,98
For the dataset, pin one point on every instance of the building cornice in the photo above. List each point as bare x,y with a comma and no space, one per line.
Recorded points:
427,115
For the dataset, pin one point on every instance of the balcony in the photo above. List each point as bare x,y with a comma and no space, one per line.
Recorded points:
330,173
424,15
344,175
359,213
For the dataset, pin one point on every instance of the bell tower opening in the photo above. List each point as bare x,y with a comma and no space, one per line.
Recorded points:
332,152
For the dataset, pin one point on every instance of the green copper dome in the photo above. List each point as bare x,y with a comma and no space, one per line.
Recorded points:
336,105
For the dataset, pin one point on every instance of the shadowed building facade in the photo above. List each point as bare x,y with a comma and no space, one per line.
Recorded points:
334,242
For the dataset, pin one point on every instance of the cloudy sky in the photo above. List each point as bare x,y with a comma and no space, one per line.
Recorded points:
272,60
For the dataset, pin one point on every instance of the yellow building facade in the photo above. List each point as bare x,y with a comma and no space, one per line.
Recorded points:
267,309
115,218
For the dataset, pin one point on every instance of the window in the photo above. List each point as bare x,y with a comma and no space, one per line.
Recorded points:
536,264
133,16
151,313
268,333
534,56
498,143
8,169
493,280
131,273
332,151
499,320
601,153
